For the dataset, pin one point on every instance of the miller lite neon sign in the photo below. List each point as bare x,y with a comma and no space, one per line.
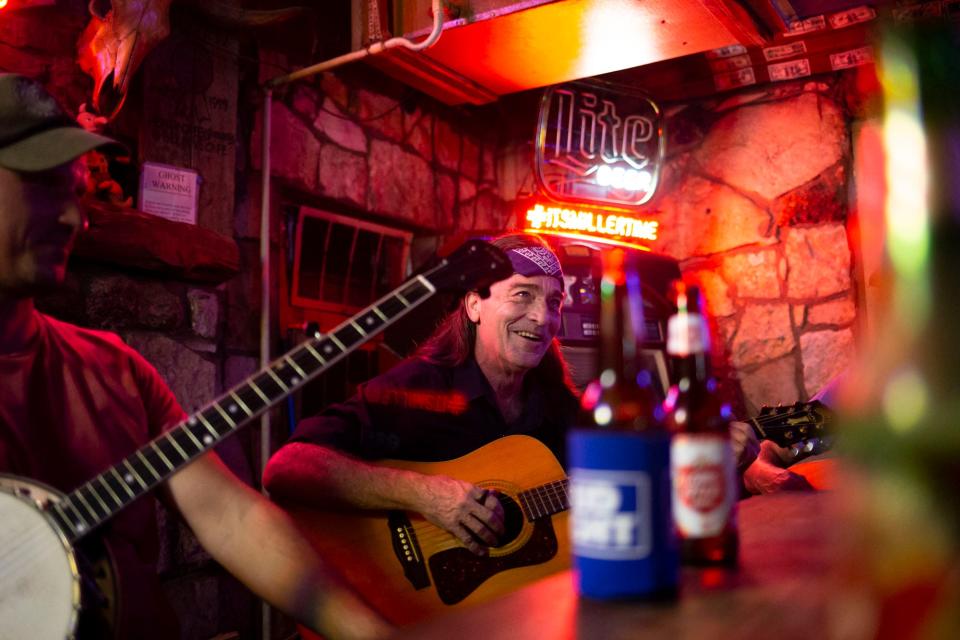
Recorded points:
606,226
598,144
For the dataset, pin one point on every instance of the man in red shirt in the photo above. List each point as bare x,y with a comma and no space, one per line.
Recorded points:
74,401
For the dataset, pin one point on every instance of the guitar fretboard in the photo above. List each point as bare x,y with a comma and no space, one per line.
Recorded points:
545,500
102,497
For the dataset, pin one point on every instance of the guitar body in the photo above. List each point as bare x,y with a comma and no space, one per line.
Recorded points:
435,573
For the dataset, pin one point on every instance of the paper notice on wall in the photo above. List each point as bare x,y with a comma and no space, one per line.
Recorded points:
809,25
169,192
852,58
723,65
789,70
852,16
734,79
785,51
726,52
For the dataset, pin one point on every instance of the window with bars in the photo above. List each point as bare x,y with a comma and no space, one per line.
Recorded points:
342,264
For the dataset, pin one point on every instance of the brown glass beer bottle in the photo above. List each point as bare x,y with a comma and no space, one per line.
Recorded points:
702,467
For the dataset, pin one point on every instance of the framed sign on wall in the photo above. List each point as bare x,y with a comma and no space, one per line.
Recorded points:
598,144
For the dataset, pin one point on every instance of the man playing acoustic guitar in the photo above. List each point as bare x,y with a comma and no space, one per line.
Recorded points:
490,372
493,368
75,401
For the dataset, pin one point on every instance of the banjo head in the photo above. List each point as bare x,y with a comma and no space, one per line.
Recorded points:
40,589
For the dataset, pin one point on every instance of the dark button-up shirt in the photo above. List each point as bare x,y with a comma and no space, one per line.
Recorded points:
427,412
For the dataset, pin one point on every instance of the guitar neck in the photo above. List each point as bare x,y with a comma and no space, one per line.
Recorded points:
545,500
794,424
99,499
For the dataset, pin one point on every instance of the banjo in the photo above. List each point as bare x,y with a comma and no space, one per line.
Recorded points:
40,527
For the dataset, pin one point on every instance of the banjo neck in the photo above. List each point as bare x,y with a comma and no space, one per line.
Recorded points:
475,264
105,495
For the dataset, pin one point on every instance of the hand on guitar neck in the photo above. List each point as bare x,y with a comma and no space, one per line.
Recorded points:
788,436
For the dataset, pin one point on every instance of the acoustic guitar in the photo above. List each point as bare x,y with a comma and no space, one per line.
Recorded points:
40,527
409,570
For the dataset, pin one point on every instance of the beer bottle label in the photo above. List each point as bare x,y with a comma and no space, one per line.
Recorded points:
687,333
623,537
704,482
610,517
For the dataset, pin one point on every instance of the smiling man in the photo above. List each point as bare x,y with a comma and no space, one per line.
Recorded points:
492,368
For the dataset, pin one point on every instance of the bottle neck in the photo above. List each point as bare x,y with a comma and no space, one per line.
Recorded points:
621,326
694,367
688,345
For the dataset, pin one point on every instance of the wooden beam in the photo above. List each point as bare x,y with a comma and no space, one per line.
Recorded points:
130,238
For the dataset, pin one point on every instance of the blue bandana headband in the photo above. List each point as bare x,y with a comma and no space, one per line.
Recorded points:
535,261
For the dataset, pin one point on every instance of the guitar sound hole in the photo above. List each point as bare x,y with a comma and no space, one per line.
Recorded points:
512,519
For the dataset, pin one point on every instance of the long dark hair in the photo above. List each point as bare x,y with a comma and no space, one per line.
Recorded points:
452,342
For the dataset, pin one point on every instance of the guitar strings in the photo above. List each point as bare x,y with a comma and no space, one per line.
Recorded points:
780,416
555,492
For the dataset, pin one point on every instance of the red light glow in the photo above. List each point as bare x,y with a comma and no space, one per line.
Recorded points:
3,3
453,403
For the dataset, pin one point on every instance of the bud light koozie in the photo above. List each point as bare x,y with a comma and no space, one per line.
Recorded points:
621,522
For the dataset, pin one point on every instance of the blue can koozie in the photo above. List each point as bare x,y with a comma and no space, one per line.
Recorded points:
621,524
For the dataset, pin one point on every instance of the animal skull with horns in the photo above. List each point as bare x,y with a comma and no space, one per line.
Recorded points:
122,33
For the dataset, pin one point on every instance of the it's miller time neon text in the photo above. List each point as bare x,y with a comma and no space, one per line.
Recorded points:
610,225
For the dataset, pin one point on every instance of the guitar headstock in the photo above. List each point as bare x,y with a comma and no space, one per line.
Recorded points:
802,426
474,265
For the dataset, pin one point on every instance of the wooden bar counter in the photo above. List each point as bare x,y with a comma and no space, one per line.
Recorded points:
781,590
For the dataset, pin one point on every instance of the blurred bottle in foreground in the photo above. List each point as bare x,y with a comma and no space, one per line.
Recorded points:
703,470
621,523
900,410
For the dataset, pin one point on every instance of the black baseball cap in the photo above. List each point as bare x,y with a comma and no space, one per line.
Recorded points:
36,134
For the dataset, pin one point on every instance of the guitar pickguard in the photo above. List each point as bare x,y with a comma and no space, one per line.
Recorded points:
458,572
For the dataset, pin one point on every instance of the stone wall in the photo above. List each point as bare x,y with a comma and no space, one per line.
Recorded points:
754,204
363,142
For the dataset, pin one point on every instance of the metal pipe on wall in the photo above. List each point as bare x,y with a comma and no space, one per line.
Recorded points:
265,272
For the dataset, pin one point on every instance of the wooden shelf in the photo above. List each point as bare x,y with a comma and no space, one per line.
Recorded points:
514,45
130,238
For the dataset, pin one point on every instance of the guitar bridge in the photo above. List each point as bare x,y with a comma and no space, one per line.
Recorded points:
407,549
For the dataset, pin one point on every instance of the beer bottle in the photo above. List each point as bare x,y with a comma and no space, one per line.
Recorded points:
621,525
702,467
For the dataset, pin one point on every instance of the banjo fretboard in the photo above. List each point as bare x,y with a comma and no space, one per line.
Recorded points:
102,497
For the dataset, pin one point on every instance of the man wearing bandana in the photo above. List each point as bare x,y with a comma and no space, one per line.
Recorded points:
492,368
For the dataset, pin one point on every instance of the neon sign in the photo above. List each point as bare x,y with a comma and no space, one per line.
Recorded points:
600,145
606,226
